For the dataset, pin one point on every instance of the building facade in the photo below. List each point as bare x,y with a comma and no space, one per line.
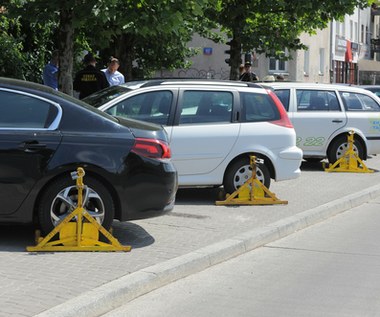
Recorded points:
208,63
345,52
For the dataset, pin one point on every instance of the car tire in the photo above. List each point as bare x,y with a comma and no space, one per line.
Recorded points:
240,171
60,199
340,146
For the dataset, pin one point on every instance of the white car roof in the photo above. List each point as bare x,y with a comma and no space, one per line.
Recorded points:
299,85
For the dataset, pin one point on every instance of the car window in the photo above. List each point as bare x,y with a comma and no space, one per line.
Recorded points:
284,96
101,97
258,107
317,100
24,111
151,107
375,90
206,107
358,102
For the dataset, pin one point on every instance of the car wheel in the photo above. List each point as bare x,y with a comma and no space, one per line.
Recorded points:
240,171
60,199
340,146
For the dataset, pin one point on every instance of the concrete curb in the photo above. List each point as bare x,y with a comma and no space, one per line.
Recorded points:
118,292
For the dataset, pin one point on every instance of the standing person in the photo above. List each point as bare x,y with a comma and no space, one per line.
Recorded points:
50,72
241,70
248,75
114,77
89,79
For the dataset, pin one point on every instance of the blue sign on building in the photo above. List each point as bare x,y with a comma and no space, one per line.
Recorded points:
207,51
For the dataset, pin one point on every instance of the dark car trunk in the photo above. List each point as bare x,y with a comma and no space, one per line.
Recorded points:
142,129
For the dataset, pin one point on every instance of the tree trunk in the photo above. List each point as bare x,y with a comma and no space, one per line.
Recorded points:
66,49
235,56
124,48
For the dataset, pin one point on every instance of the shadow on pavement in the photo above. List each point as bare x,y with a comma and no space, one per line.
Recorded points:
313,166
15,238
208,196
131,234
198,196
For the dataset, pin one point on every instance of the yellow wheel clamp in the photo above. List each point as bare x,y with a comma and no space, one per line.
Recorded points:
252,192
79,235
349,162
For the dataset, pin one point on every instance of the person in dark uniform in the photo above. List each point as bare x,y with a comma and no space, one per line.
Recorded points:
248,75
89,79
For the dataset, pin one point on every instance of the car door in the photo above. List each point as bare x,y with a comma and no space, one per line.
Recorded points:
205,133
28,140
363,113
316,115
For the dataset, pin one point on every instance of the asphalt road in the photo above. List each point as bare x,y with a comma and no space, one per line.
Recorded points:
33,283
329,269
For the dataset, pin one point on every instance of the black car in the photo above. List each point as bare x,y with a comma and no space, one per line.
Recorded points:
45,135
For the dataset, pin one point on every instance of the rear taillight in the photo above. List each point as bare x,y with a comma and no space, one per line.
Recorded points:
284,120
151,148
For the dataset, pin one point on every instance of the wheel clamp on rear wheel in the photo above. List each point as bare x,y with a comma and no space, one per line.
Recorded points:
252,192
350,161
82,234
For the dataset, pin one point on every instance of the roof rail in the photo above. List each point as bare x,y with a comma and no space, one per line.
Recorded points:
192,81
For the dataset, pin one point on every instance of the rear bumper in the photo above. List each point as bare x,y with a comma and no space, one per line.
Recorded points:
288,163
149,190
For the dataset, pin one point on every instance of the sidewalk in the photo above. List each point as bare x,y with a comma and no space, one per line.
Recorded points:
329,269
196,235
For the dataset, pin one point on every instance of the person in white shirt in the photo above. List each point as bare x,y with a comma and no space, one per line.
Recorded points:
114,77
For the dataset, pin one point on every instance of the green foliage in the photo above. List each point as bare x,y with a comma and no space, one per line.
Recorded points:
12,59
28,41
271,26
153,34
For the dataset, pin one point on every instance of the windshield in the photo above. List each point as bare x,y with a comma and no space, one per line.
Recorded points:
101,97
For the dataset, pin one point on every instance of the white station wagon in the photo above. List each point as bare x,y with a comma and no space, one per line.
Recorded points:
213,128
323,114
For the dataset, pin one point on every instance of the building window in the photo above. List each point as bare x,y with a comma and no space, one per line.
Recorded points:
367,35
351,30
362,34
276,65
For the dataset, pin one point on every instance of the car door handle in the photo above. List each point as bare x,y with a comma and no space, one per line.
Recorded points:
30,146
337,121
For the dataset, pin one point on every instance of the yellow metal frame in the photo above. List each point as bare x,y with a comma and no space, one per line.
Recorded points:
252,192
81,235
350,162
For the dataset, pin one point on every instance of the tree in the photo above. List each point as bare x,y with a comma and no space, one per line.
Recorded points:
152,34
64,17
23,50
11,56
271,26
